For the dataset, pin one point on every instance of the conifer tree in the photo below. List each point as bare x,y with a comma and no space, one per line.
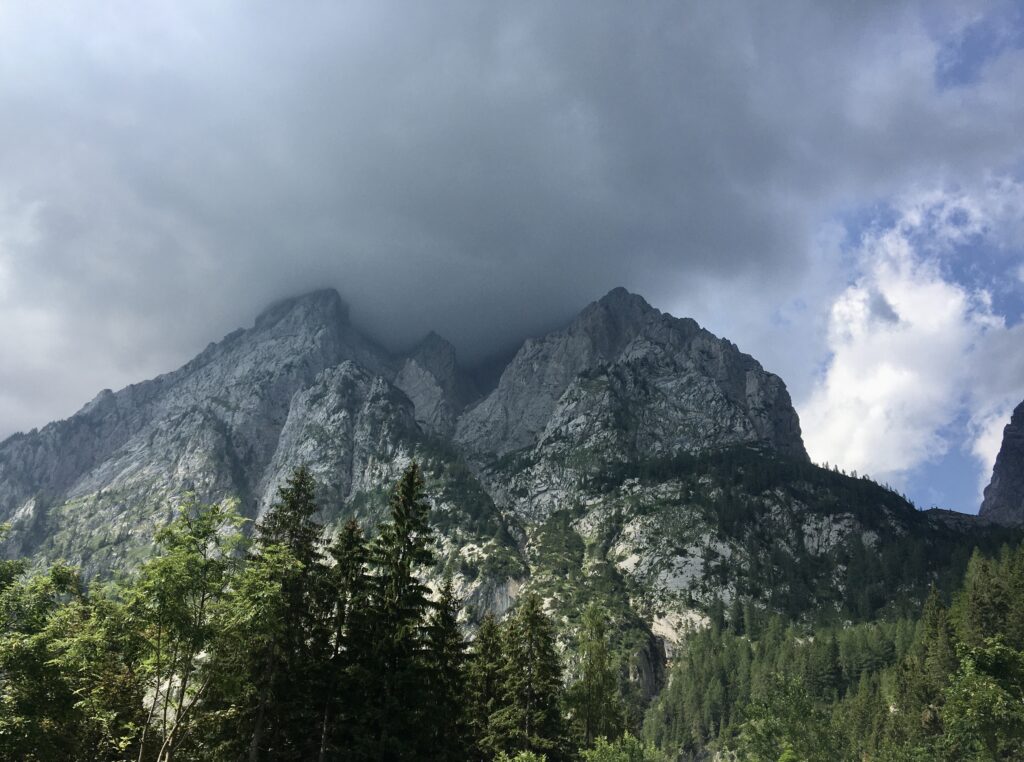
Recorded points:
290,521
484,686
936,649
530,719
981,608
446,656
736,616
594,699
282,629
924,673
399,605
346,677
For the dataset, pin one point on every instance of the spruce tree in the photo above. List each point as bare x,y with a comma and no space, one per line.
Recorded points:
530,719
484,686
346,678
281,631
594,699
290,521
981,608
446,656
399,605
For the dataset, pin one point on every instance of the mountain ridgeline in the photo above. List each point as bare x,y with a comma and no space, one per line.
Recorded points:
630,459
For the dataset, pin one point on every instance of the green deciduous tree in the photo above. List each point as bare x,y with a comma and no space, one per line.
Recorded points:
38,714
625,749
983,715
787,722
177,600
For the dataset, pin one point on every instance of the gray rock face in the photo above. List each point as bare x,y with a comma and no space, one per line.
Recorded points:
622,381
212,428
629,380
431,378
1003,501
531,486
354,431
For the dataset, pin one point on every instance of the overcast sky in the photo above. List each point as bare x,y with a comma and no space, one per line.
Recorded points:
836,187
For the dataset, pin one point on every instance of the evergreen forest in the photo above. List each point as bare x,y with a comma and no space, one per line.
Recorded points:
283,644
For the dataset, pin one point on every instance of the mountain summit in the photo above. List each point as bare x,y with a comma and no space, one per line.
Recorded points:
630,455
622,376
628,378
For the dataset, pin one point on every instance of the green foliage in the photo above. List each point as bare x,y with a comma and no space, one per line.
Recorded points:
485,688
984,704
595,705
625,749
445,660
738,492
177,602
949,686
346,678
787,724
397,711
529,717
299,649
36,698
523,756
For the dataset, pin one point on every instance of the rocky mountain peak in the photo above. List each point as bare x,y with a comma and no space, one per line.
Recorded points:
436,354
1004,496
613,321
98,404
324,306
624,377
622,381
431,378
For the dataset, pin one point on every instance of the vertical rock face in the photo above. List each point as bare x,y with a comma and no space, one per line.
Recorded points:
354,431
210,428
627,378
1004,496
623,381
432,379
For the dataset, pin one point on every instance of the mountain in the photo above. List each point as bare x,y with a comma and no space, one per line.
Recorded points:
1003,500
631,458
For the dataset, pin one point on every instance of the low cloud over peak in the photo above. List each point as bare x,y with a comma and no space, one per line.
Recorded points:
168,169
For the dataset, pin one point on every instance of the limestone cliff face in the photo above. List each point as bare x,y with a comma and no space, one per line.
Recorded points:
354,431
631,454
212,428
632,381
432,379
1004,496
623,383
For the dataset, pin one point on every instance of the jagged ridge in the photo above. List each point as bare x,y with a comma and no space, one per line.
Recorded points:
522,480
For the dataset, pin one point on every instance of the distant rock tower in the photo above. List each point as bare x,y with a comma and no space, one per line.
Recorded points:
1004,495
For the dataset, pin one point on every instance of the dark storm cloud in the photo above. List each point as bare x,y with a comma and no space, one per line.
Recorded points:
167,169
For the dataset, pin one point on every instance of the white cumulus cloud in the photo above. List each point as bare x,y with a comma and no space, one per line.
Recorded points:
912,348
